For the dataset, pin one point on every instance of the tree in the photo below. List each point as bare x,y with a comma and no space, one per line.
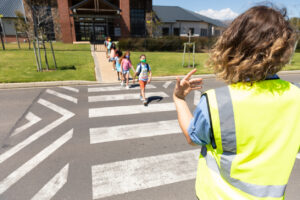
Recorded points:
40,23
22,26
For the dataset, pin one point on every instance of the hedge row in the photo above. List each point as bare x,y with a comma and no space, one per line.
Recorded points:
165,44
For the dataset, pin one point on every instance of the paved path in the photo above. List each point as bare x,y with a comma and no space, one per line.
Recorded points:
105,67
71,144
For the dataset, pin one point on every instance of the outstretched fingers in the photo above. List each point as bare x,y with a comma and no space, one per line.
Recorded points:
189,75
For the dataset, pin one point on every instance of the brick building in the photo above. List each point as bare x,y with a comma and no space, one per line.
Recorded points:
91,20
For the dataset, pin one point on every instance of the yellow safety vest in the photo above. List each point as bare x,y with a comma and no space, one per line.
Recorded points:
256,129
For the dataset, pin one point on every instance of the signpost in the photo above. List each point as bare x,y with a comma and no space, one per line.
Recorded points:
1,30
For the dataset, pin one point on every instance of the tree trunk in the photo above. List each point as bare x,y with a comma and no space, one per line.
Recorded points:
18,40
36,57
45,52
3,46
53,55
39,54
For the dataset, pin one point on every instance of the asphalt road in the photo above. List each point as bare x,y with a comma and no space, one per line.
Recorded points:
99,142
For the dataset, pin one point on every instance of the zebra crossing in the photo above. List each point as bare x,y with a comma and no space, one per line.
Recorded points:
121,177
130,149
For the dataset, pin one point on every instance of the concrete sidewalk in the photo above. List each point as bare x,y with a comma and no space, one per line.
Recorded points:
103,68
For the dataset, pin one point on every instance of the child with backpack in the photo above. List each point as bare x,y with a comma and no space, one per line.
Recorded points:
125,68
143,71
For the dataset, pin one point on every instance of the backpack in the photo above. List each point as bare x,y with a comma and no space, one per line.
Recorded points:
140,69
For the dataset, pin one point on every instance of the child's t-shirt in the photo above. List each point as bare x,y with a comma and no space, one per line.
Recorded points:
109,45
143,71
126,64
118,64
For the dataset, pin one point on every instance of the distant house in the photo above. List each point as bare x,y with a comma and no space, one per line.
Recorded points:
7,10
177,21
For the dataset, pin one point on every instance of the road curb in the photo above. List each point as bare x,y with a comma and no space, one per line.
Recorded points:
74,83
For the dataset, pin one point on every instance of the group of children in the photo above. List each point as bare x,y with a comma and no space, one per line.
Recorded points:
122,64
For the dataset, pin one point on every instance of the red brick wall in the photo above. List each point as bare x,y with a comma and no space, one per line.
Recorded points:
12,38
125,17
66,22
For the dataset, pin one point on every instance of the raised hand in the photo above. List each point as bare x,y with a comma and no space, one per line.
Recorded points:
186,85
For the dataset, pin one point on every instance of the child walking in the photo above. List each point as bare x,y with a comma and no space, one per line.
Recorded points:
249,130
142,71
125,67
112,55
118,65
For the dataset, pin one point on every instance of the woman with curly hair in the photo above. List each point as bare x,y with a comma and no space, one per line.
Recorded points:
249,130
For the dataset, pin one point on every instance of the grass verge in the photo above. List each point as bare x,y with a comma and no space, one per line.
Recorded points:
19,65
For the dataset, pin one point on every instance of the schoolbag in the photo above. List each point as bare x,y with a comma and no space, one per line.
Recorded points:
140,69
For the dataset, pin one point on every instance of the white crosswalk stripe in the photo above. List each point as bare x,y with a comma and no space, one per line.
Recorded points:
54,185
124,96
70,89
33,162
32,119
167,84
124,132
129,110
63,96
142,173
65,116
116,88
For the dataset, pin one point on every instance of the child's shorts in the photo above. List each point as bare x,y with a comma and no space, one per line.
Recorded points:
142,84
125,71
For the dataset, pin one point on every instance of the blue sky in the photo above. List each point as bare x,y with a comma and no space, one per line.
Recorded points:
228,8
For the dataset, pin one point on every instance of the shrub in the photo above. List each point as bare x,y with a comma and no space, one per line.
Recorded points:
165,44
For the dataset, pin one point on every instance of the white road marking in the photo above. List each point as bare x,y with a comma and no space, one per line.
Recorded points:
124,96
65,116
298,155
115,88
54,185
63,96
32,119
142,173
167,84
129,110
16,175
124,132
197,96
70,89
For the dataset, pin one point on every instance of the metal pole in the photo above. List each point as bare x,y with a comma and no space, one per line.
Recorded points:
194,47
183,54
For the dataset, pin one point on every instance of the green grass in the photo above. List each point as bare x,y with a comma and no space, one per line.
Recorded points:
76,63
19,65
167,63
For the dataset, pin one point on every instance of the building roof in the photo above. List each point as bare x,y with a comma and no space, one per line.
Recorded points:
8,7
171,14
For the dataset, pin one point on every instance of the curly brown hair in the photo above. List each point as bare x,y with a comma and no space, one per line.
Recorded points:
257,43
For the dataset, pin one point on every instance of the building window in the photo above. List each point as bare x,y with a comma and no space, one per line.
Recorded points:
192,31
203,32
217,32
176,31
165,31
137,22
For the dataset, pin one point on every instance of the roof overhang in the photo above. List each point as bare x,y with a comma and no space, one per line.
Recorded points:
82,3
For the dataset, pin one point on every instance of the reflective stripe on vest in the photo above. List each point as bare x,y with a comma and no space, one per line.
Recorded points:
228,135
256,134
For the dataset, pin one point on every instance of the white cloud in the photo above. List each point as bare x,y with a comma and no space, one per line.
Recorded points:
222,14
